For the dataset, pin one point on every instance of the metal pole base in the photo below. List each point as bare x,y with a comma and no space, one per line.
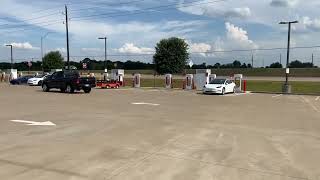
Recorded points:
287,89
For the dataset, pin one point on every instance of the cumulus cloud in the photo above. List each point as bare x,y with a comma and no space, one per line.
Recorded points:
62,50
200,48
131,48
312,24
25,45
283,3
239,36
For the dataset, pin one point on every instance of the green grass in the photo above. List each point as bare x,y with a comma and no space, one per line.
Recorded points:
255,86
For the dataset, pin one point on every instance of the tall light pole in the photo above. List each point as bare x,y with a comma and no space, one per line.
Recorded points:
105,50
287,87
42,38
9,45
67,34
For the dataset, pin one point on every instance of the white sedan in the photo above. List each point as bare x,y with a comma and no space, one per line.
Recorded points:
37,80
219,86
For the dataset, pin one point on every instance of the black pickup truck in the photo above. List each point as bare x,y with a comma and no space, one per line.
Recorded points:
68,81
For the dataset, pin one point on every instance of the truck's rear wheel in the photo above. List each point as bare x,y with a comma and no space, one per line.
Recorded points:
45,88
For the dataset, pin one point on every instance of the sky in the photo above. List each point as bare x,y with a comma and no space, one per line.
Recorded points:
212,28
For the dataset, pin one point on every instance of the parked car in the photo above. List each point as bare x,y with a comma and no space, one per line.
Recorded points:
37,80
20,80
68,81
219,86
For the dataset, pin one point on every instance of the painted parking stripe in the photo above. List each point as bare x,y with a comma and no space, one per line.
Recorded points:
275,96
317,98
143,103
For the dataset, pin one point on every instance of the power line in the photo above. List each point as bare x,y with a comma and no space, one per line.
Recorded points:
26,23
141,11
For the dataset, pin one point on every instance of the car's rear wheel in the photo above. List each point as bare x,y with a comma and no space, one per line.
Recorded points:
69,89
45,88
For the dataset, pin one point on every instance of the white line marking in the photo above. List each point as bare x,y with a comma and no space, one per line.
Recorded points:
317,98
33,123
143,103
308,102
277,96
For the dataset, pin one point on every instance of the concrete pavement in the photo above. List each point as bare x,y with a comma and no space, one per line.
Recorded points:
103,135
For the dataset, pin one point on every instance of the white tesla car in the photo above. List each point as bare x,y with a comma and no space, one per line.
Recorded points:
37,80
219,86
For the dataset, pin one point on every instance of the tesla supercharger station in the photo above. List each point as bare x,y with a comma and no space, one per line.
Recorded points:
168,81
13,74
118,75
137,80
212,77
189,82
238,80
201,78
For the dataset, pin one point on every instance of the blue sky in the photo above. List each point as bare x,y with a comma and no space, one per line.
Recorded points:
133,27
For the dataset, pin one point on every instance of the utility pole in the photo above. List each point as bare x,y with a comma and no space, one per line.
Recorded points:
105,50
281,59
312,60
287,87
252,60
42,38
67,33
9,45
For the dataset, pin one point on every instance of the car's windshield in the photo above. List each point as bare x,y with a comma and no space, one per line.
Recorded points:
218,81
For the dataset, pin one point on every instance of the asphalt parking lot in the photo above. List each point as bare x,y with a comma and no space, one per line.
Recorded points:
135,134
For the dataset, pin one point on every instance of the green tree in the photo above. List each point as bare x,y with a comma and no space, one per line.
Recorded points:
276,65
53,60
171,55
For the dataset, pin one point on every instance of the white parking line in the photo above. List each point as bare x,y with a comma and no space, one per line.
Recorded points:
277,96
310,104
143,103
317,98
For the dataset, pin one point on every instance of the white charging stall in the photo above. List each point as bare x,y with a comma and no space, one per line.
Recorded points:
238,80
212,77
168,81
189,82
137,80
13,73
201,78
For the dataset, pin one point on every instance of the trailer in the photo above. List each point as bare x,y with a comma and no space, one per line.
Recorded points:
108,84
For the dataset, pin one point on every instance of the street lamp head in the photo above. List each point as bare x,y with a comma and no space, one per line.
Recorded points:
9,45
290,22
102,38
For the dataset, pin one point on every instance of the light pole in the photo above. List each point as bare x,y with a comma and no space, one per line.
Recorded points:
105,50
42,38
9,45
287,87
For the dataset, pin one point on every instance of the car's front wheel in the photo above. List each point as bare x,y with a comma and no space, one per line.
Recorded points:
39,83
223,91
45,88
